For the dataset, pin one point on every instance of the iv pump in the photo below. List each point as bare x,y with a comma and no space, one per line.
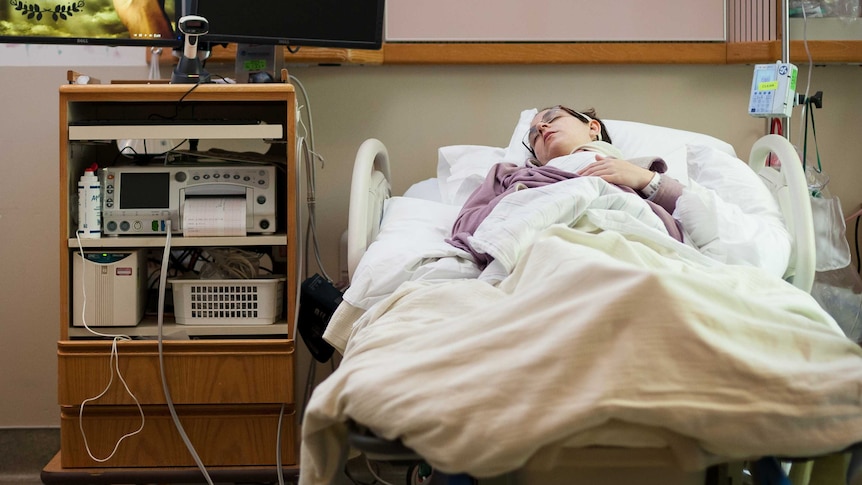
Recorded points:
773,90
89,205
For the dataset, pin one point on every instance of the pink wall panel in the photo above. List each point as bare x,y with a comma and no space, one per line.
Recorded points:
555,20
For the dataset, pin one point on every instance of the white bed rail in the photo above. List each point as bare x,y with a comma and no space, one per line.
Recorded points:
369,189
791,190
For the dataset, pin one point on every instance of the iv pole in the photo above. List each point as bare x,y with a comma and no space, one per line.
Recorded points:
785,55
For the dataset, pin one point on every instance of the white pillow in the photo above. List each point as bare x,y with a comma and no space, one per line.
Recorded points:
516,152
427,189
462,168
730,214
642,140
516,149
632,138
409,247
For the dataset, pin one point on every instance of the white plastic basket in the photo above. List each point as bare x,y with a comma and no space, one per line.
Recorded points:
227,302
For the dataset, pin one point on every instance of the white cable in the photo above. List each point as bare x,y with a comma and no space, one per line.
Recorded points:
278,471
295,323
113,366
374,474
296,81
161,311
155,55
306,151
231,263
810,69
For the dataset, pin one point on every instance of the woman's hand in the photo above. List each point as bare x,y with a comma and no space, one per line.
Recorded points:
619,172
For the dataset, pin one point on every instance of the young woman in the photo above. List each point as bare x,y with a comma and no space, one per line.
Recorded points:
560,131
557,132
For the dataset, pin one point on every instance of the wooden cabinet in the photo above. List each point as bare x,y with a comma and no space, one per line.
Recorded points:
230,383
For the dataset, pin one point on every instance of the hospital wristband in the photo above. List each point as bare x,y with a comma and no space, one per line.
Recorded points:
649,191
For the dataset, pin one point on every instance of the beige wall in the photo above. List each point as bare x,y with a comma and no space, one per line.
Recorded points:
413,110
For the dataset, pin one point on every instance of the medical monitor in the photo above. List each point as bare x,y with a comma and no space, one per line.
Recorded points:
89,22
349,24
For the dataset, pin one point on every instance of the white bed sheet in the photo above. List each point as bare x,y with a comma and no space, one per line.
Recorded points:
594,339
415,318
726,212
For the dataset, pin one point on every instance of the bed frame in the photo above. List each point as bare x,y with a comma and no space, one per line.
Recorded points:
370,188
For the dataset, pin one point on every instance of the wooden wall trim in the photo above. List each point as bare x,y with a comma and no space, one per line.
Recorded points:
822,51
556,53
751,52
305,55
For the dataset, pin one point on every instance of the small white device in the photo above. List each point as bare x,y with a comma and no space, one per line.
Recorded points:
773,90
189,69
192,26
115,284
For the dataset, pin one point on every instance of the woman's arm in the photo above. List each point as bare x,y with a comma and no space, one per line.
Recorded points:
637,175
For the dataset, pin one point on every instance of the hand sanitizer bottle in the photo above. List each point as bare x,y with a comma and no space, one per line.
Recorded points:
90,205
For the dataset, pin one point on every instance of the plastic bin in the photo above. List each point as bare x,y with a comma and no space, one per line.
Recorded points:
228,302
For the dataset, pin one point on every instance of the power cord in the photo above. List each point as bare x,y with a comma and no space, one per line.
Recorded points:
155,57
306,151
805,106
161,314
113,366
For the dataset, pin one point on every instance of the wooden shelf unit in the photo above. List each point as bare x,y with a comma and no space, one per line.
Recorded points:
231,384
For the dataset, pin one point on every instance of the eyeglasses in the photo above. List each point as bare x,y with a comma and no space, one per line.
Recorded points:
549,117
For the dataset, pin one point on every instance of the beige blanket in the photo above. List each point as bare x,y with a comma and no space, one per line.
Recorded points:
594,339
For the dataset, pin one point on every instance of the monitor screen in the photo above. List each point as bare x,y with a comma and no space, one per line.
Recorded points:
145,190
101,22
350,24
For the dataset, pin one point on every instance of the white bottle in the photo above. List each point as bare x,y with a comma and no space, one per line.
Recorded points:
89,205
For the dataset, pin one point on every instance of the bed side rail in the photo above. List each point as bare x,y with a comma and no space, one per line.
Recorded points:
369,189
791,190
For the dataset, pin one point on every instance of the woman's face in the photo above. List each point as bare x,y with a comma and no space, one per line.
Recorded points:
555,132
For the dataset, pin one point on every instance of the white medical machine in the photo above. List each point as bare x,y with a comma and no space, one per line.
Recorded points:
772,90
138,200
113,284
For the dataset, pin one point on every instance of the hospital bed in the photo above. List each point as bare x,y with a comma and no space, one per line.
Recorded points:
596,350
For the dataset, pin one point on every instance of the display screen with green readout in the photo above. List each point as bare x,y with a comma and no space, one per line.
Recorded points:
254,65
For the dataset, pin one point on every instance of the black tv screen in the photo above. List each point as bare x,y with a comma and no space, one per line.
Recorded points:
351,24
100,22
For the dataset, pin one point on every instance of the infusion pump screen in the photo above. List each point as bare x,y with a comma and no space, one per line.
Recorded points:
145,190
765,76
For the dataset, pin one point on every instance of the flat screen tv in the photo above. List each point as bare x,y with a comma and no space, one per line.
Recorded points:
88,22
349,24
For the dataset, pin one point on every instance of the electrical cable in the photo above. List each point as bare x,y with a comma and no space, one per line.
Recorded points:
307,152
162,283
155,56
278,471
310,129
374,474
293,330
311,230
805,104
856,230
113,366
231,263
295,317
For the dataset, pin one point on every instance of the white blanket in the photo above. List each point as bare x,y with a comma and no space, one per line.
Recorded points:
586,203
594,339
